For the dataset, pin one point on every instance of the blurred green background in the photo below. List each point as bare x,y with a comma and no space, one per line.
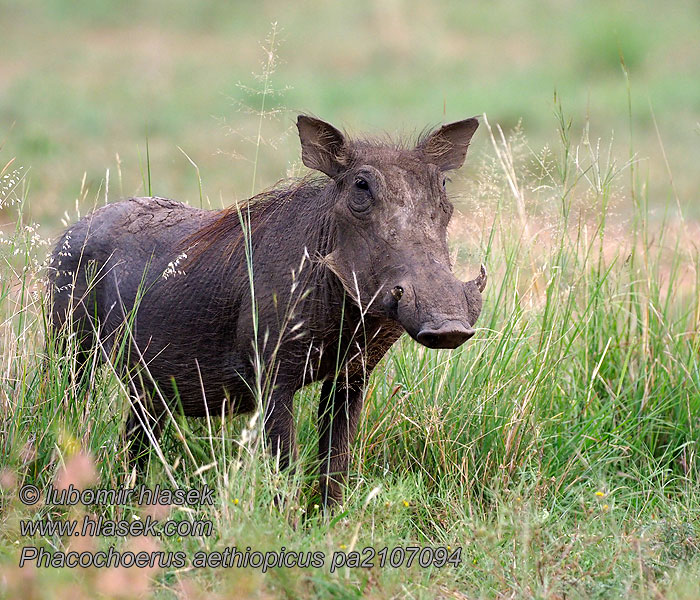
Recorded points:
82,82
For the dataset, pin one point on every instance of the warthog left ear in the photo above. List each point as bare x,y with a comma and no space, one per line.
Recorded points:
323,147
447,147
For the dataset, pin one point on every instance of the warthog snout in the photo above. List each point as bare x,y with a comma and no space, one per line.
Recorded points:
450,334
437,309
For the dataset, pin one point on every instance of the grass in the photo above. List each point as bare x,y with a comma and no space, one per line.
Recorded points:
557,449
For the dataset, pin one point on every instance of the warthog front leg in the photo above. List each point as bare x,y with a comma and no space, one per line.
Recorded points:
279,427
338,415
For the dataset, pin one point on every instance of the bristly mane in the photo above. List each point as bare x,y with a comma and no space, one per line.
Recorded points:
229,222
256,210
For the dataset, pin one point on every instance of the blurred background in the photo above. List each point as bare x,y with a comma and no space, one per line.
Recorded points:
85,84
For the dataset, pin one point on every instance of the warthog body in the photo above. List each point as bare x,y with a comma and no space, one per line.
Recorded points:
313,281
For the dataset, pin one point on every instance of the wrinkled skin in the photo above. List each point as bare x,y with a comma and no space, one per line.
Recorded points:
341,267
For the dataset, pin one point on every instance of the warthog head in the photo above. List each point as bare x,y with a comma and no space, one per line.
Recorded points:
391,214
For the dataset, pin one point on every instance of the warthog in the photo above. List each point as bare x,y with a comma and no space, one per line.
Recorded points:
312,281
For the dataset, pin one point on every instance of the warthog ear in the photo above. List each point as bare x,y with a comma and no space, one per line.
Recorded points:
447,147
323,147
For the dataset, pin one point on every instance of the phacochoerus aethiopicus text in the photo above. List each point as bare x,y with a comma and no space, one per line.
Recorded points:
311,281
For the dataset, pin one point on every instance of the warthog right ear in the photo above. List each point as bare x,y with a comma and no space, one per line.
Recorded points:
447,147
323,147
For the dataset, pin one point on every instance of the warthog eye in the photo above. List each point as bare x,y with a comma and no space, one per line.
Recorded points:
361,183
361,201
